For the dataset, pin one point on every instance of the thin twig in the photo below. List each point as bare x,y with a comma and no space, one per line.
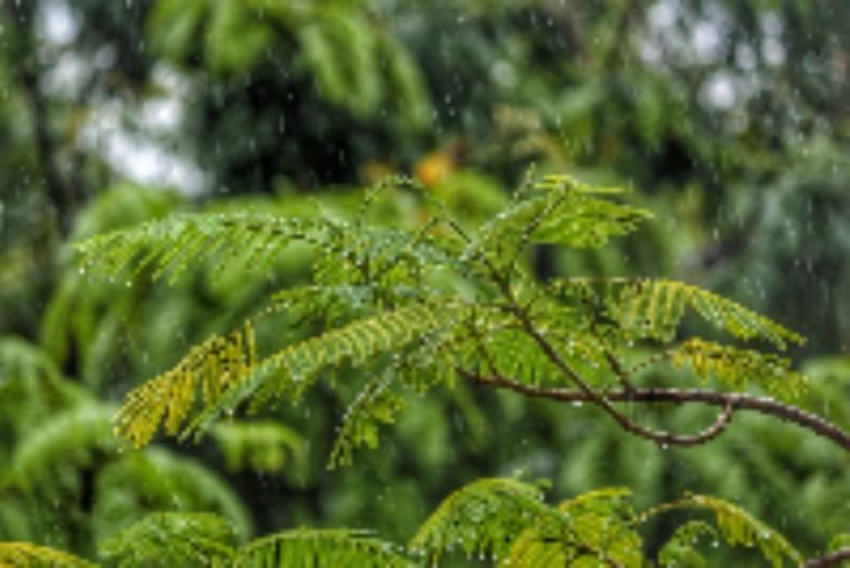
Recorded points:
735,401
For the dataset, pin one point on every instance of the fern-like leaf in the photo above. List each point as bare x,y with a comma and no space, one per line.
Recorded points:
156,480
228,371
558,210
249,241
597,532
31,387
72,437
680,549
602,523
485,517
28,554
735,367
653,309
172,539
738,527
215,366
266,446
376,404
315,548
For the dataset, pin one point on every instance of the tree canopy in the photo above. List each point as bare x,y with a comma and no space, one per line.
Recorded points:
371,279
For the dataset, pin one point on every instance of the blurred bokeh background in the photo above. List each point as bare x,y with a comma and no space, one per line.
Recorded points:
729,119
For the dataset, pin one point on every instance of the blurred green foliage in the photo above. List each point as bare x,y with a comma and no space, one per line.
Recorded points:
730,119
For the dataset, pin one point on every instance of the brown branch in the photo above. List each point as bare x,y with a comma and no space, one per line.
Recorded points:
730,400
830,559
661,438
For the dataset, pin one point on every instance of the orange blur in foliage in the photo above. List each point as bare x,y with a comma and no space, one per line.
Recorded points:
434,167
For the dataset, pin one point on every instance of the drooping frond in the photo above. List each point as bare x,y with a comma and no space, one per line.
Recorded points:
70,437
172,539
484,518
738,527
31,386
28,554
654,309
351,252
254,241
19,359
680,549
602,522
376,404
560,210
529,550
293,370
267,446
155,480
228,371
736,368
250,241
597,532
308,548
214,366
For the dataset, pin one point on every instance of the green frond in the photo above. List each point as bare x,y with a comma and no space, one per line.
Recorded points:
19,359
67,440
738,527
601,523
529,551
607,500
680,549
376,404
655,308
484,518
155,480
596,531
265,446
244,241
172,539
26,554
735,367
31,386
308,548
214,366
293,370
353,253
515,354
409,91
227,371
560,210
341,49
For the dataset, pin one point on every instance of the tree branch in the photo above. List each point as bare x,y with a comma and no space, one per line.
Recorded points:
830,559
728,400
660,437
